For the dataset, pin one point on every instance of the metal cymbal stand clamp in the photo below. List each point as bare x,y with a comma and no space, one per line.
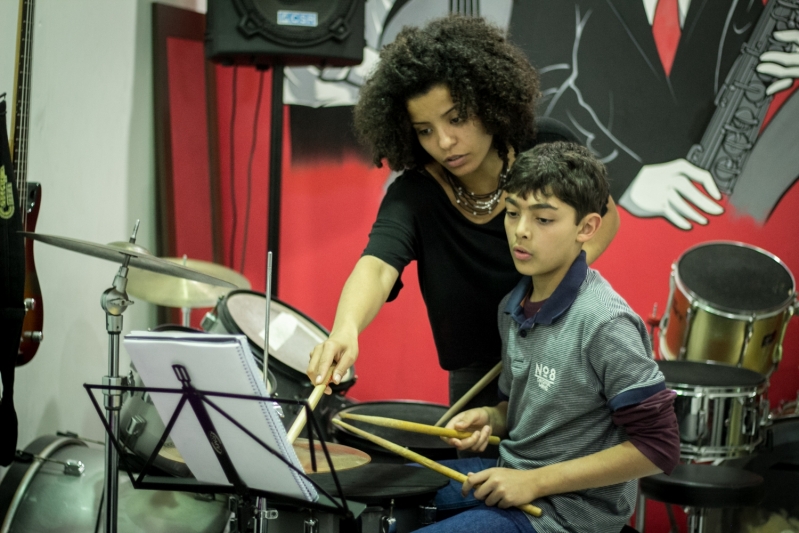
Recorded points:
114,302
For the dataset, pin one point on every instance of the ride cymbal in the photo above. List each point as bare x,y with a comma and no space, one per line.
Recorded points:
116,252
170,291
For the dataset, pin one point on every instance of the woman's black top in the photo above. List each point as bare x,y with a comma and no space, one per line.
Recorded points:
464,268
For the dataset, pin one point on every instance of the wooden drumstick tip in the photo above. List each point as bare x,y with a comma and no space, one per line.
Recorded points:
313,401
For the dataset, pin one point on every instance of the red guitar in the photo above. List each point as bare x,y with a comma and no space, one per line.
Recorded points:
30,193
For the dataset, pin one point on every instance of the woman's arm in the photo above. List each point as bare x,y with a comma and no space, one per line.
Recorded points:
364,293
607,230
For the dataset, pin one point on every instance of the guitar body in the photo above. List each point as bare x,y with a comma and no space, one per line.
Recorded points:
34,315
29,193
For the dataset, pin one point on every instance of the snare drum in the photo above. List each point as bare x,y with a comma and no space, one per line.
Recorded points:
292,337
720,409
41,497
430,446
728,302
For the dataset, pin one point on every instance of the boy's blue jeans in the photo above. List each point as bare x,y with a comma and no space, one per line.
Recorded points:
477,517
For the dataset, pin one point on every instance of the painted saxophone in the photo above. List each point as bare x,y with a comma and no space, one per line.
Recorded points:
741,104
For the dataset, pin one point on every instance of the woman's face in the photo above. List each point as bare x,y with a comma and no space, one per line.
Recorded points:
459,144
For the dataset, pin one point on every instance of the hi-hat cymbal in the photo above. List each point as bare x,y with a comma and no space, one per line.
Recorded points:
139,257
174,292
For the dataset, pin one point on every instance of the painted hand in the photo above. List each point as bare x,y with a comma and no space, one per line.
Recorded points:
502,487
666,189
784,66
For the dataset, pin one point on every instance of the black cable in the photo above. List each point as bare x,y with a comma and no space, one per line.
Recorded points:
233,169
249,169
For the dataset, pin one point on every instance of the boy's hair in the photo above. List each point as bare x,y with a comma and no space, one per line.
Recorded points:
566,170
488,78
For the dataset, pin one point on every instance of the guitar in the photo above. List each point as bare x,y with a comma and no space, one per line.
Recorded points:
29,193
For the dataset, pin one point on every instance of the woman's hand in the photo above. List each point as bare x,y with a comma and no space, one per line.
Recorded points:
341,348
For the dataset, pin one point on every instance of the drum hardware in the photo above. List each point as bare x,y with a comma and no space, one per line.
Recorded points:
388,524
114,302
424,461
729,302
71,468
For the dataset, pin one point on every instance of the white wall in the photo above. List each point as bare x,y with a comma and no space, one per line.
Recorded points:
91,148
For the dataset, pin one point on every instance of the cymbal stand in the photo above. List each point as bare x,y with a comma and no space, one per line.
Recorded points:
114,302
261,513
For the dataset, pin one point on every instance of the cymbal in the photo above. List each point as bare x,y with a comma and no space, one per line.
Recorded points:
343,457
170,291
139,257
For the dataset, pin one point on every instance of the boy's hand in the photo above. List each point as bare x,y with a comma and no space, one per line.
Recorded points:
503,487
478,422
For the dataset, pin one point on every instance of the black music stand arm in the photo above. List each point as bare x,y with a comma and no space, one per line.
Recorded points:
196,401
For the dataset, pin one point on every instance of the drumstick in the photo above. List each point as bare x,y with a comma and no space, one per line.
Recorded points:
422,460
313,400
480,385
415,427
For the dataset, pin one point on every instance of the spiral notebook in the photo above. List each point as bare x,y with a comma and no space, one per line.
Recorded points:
219,363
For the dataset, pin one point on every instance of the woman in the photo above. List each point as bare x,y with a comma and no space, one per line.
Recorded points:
450,104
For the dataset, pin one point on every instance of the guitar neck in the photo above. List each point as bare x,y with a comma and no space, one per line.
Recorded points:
22,92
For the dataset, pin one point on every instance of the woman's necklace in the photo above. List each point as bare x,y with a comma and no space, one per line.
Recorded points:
477,204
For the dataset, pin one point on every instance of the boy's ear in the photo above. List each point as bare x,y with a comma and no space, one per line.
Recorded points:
589,225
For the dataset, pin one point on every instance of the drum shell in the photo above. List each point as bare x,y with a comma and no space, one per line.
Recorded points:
717,421
718,336
411,489
704,322
47,500
430,446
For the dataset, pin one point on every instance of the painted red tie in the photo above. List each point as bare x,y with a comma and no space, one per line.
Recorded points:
666,30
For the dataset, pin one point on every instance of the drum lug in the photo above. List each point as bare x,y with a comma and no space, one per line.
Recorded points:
74,468
427,514
208,321
388,524
311,525
135,428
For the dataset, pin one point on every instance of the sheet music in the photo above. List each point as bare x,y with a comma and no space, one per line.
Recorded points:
219,363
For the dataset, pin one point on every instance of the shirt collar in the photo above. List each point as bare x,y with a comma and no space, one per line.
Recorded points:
557,304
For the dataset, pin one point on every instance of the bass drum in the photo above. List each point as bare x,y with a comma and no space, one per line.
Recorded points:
729,302
292,336
430,446
39,497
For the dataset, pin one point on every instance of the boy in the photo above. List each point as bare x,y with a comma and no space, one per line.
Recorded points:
585,409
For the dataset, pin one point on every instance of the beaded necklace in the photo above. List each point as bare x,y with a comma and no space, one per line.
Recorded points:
478,204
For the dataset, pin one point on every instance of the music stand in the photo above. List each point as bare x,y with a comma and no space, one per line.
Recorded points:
233,443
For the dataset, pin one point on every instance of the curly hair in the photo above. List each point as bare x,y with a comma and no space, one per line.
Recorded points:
488,78
566,170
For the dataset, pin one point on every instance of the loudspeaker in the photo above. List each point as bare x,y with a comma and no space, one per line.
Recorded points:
290,32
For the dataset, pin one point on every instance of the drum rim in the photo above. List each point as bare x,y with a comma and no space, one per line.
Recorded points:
727,312
24,478
764,381
347,378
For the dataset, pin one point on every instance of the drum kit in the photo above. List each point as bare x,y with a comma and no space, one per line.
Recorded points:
67,484
721,339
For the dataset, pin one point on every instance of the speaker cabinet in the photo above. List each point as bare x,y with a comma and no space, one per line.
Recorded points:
289,32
